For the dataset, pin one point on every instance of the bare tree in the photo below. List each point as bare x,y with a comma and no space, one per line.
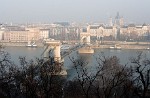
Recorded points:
51,83
104,82
85,78
32,79
141,78
112,78
41,79
6,73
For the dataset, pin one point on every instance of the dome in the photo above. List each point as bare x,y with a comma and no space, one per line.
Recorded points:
144,24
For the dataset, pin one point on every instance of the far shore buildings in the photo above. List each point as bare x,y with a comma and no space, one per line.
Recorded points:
114,30
117,30
101,31
44,33
19,36
38,33
14,36
11,34
129,32
135,32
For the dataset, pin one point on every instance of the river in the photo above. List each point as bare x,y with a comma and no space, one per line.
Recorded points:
33,53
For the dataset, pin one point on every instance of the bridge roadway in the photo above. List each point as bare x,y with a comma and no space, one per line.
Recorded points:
66,52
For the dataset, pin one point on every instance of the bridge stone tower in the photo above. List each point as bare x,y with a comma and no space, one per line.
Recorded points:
85,38
52,50
54,46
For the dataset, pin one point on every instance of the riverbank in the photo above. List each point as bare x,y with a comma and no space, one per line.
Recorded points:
18,44
105,45
124,46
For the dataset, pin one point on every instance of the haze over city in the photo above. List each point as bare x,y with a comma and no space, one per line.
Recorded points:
74,49
23,11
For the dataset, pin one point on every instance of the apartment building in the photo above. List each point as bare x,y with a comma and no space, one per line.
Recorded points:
34,31
19,36
44,33
16,36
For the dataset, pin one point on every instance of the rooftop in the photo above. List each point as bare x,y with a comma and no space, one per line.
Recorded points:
131,25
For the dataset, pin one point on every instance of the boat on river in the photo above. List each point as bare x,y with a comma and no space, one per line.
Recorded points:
117,47
31,44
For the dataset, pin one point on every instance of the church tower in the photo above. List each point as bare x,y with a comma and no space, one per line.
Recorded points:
119,21
110,21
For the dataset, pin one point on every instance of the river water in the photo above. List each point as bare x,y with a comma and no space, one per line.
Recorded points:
33,53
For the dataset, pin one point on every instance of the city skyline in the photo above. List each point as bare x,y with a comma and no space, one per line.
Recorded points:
47,11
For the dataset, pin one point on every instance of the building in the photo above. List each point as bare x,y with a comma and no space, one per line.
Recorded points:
129,32
102,31
34,31
19,36
1,35
16,36
44,33
64,33
14,28
133,32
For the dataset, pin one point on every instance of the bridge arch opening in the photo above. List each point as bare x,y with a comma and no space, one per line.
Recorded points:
85,38
52,50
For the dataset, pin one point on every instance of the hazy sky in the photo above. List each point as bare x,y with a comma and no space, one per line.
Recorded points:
22,11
